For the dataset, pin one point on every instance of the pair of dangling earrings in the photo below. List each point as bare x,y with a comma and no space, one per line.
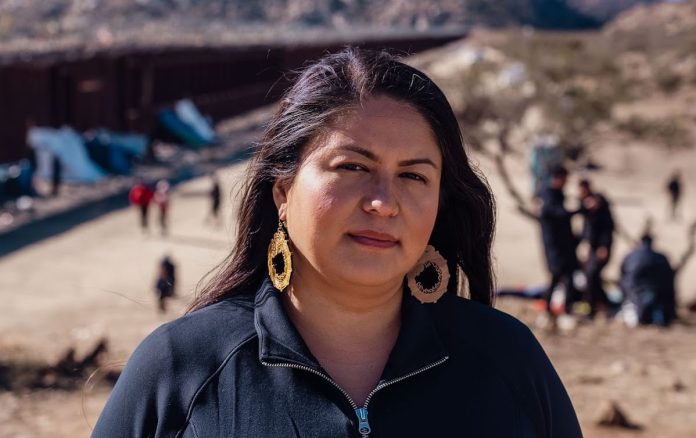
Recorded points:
427,280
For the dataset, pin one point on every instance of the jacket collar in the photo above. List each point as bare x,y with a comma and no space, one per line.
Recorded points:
417,346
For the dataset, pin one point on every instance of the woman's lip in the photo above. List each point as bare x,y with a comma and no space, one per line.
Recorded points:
374,235
371,241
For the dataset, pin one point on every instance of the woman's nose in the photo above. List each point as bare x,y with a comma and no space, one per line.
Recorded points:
380,198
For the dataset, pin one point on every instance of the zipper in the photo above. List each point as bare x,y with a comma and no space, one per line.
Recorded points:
363,424
361,413
404,377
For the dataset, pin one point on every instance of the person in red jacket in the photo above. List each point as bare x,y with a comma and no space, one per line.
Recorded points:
141,195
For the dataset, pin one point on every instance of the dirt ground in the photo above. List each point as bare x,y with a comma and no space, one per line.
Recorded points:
97,281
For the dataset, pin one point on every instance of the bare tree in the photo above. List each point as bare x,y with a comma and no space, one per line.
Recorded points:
689,252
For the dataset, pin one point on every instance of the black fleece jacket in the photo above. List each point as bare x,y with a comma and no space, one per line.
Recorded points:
239,368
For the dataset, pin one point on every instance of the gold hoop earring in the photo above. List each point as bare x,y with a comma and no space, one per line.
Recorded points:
429,278
279,260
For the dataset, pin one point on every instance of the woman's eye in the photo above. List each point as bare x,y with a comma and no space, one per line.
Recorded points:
351,166
413,176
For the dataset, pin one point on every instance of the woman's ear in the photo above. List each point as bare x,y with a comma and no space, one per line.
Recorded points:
280,198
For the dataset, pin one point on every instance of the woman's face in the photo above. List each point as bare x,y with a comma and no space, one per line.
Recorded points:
363,204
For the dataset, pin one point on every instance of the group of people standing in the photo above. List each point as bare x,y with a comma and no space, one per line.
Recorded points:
142,195
647,279
560,243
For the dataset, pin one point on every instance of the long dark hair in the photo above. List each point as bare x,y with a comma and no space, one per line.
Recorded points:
464,227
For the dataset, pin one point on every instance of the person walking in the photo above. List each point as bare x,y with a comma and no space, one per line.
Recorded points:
598,232
558,238
161,199
140,196
674,188
166,282
215,198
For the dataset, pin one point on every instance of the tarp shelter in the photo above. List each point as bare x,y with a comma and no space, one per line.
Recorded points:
190,115
68,146
15,180
187,125
115,152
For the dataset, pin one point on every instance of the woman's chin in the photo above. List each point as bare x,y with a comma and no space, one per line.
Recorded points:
372,278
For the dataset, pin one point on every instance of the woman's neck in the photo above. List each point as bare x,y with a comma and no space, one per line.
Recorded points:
351,331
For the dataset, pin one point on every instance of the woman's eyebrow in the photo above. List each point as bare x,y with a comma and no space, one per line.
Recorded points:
371,156
418,161
359,150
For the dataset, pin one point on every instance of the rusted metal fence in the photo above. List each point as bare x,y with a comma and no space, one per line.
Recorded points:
124,90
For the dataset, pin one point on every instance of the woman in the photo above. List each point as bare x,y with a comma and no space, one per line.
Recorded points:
337,312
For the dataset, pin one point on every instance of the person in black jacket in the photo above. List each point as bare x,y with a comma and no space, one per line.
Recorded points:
598,232
340,311
647,282
165,286
558,238
56,175
215,195
674,188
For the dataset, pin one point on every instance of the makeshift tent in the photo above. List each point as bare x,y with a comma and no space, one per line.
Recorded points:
185,124
132,144
68,147
188,113
15,180
112,160
115,152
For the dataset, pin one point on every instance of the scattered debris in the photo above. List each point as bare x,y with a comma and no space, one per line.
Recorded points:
611,415
68,373
678,385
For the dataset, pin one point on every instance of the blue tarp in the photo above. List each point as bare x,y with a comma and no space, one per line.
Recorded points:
68,146
186,124
114,152
15,180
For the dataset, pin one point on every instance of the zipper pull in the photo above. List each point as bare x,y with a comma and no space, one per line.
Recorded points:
363,424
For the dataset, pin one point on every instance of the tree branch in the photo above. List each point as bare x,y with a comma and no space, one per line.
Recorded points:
499,160
689,252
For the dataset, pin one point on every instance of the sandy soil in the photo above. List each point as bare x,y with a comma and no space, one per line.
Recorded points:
97,280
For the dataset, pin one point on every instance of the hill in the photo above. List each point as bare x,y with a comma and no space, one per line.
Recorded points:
42,19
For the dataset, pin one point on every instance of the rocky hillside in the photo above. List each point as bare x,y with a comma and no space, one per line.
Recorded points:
635,79
32,19
659,27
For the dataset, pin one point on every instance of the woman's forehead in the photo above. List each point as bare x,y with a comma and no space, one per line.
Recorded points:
380,123
377,108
